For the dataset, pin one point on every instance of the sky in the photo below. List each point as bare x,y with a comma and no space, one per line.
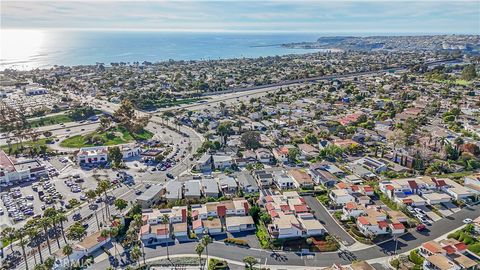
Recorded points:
357,16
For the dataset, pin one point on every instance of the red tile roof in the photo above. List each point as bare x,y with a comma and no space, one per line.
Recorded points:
351,205
460,246
382,224
413,184
398,226
449,249
273,213
285,208
363,221
300,208
390,187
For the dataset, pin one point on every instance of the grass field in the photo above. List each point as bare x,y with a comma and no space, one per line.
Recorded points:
54,120
111,137
26,146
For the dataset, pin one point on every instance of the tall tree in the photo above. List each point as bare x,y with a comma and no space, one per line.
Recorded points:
68,250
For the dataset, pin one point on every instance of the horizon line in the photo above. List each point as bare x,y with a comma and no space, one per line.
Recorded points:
183,30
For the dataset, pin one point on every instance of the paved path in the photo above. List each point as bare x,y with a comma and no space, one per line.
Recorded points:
333,228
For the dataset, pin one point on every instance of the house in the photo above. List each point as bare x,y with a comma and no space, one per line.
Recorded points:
310,225
180,230
283,181
192,189
397,228
353,209
439,262
236,224
360,171
210,188
285,226
436,198
89,245
331,168
197,226
301,178
353,179
322,177
153,234
19,170
361,265
92,155
264,179
213,226
227,184
247,183
264,155
476,223
204,163
340,196
208,162
173,190
156,216
370,226
281,154
308,151
372,164
222,162
151,196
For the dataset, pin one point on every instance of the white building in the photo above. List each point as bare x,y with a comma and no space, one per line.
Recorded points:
92,155
14,171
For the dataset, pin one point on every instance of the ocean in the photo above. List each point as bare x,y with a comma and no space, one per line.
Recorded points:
30,49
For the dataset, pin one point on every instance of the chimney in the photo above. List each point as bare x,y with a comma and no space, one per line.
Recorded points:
245,205
184,214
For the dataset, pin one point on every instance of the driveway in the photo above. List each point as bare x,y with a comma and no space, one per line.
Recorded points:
333,228
444,211
430,214
452,207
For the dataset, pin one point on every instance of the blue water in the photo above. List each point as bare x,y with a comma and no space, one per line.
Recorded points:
39,48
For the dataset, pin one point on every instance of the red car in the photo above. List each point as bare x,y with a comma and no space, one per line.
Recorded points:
421,227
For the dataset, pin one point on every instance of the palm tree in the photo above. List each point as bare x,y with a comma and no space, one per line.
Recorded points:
68,250
91,195
102,187
165,221
20,235
35,238
199,250
205,242
60,217
8,233
135,253
45,223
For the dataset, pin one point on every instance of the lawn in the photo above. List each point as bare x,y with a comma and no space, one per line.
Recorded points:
108,138
50,120
28,146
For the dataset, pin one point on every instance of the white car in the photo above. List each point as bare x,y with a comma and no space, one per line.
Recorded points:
467,221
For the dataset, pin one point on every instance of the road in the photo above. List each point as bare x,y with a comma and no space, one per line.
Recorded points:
327,220
406,243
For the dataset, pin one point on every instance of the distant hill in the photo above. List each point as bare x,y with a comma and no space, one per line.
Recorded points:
466,43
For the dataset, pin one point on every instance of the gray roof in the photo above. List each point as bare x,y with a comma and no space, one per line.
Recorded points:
246,179
192,188
150,193
173,190
227,181
209,185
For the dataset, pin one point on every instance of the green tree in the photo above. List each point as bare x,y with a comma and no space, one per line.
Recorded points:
293,154
76,231
68,250
311,139
254,212
251,139
121,204
469,73
250,261
115,155
206,240
199,250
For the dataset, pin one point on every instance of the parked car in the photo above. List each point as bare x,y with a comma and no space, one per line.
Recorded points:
421,227
467,221
169,175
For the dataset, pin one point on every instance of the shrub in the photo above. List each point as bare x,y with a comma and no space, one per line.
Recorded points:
215,264
475,248
235,241
415,258
395,263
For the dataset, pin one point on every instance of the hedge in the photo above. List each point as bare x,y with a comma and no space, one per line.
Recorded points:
475,248
415,258
235,241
